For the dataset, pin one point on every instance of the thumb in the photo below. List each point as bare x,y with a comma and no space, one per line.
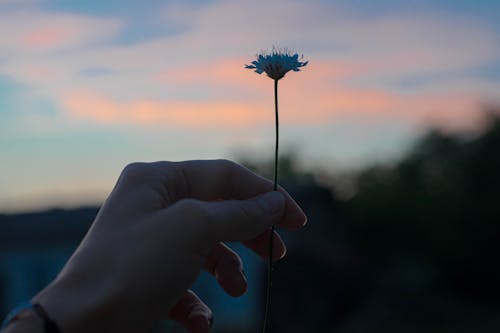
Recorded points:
234,220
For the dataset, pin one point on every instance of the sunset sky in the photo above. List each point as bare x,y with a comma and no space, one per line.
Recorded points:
89,86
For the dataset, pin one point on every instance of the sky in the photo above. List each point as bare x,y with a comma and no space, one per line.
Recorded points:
87,87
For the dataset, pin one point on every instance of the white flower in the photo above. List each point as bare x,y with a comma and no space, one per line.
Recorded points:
277,63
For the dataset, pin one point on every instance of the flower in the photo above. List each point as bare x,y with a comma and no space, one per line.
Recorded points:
277,63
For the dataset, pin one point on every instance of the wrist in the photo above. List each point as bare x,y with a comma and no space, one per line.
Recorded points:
61,306
74,308
80,306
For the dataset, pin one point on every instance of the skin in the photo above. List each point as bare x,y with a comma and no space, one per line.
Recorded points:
162,224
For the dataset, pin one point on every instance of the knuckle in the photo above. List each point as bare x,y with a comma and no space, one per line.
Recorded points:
135,169
227,164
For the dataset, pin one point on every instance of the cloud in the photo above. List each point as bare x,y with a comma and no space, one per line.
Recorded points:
84,92
86,105
36,33
195,77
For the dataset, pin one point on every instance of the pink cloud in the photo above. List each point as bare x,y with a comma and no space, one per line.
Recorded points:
447,110
323,93
95,107
24,31
314,96
45,38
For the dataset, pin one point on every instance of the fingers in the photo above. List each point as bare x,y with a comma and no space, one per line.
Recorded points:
190,312
260,245
248,221
207,223
226,266
221,179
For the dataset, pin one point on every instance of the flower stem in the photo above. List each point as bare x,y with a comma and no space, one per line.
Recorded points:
277,136
267,317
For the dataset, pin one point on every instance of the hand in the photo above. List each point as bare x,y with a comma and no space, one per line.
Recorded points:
162,224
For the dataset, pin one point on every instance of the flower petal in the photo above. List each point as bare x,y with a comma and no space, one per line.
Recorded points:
277,63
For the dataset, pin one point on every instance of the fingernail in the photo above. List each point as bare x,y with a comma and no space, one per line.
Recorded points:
272,202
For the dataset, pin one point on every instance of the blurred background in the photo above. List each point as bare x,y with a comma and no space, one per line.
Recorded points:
390,141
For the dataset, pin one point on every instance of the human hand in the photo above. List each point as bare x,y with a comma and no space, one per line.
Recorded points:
162,224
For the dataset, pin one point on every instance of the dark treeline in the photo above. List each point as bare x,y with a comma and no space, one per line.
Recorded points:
429,228
414,250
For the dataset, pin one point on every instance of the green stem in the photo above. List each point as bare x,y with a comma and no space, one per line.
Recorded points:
267,317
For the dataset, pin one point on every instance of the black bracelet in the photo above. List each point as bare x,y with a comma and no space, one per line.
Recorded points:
49,325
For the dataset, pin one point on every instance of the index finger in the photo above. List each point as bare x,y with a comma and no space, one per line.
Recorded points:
212,180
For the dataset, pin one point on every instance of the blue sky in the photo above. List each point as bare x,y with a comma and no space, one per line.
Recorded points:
89,86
